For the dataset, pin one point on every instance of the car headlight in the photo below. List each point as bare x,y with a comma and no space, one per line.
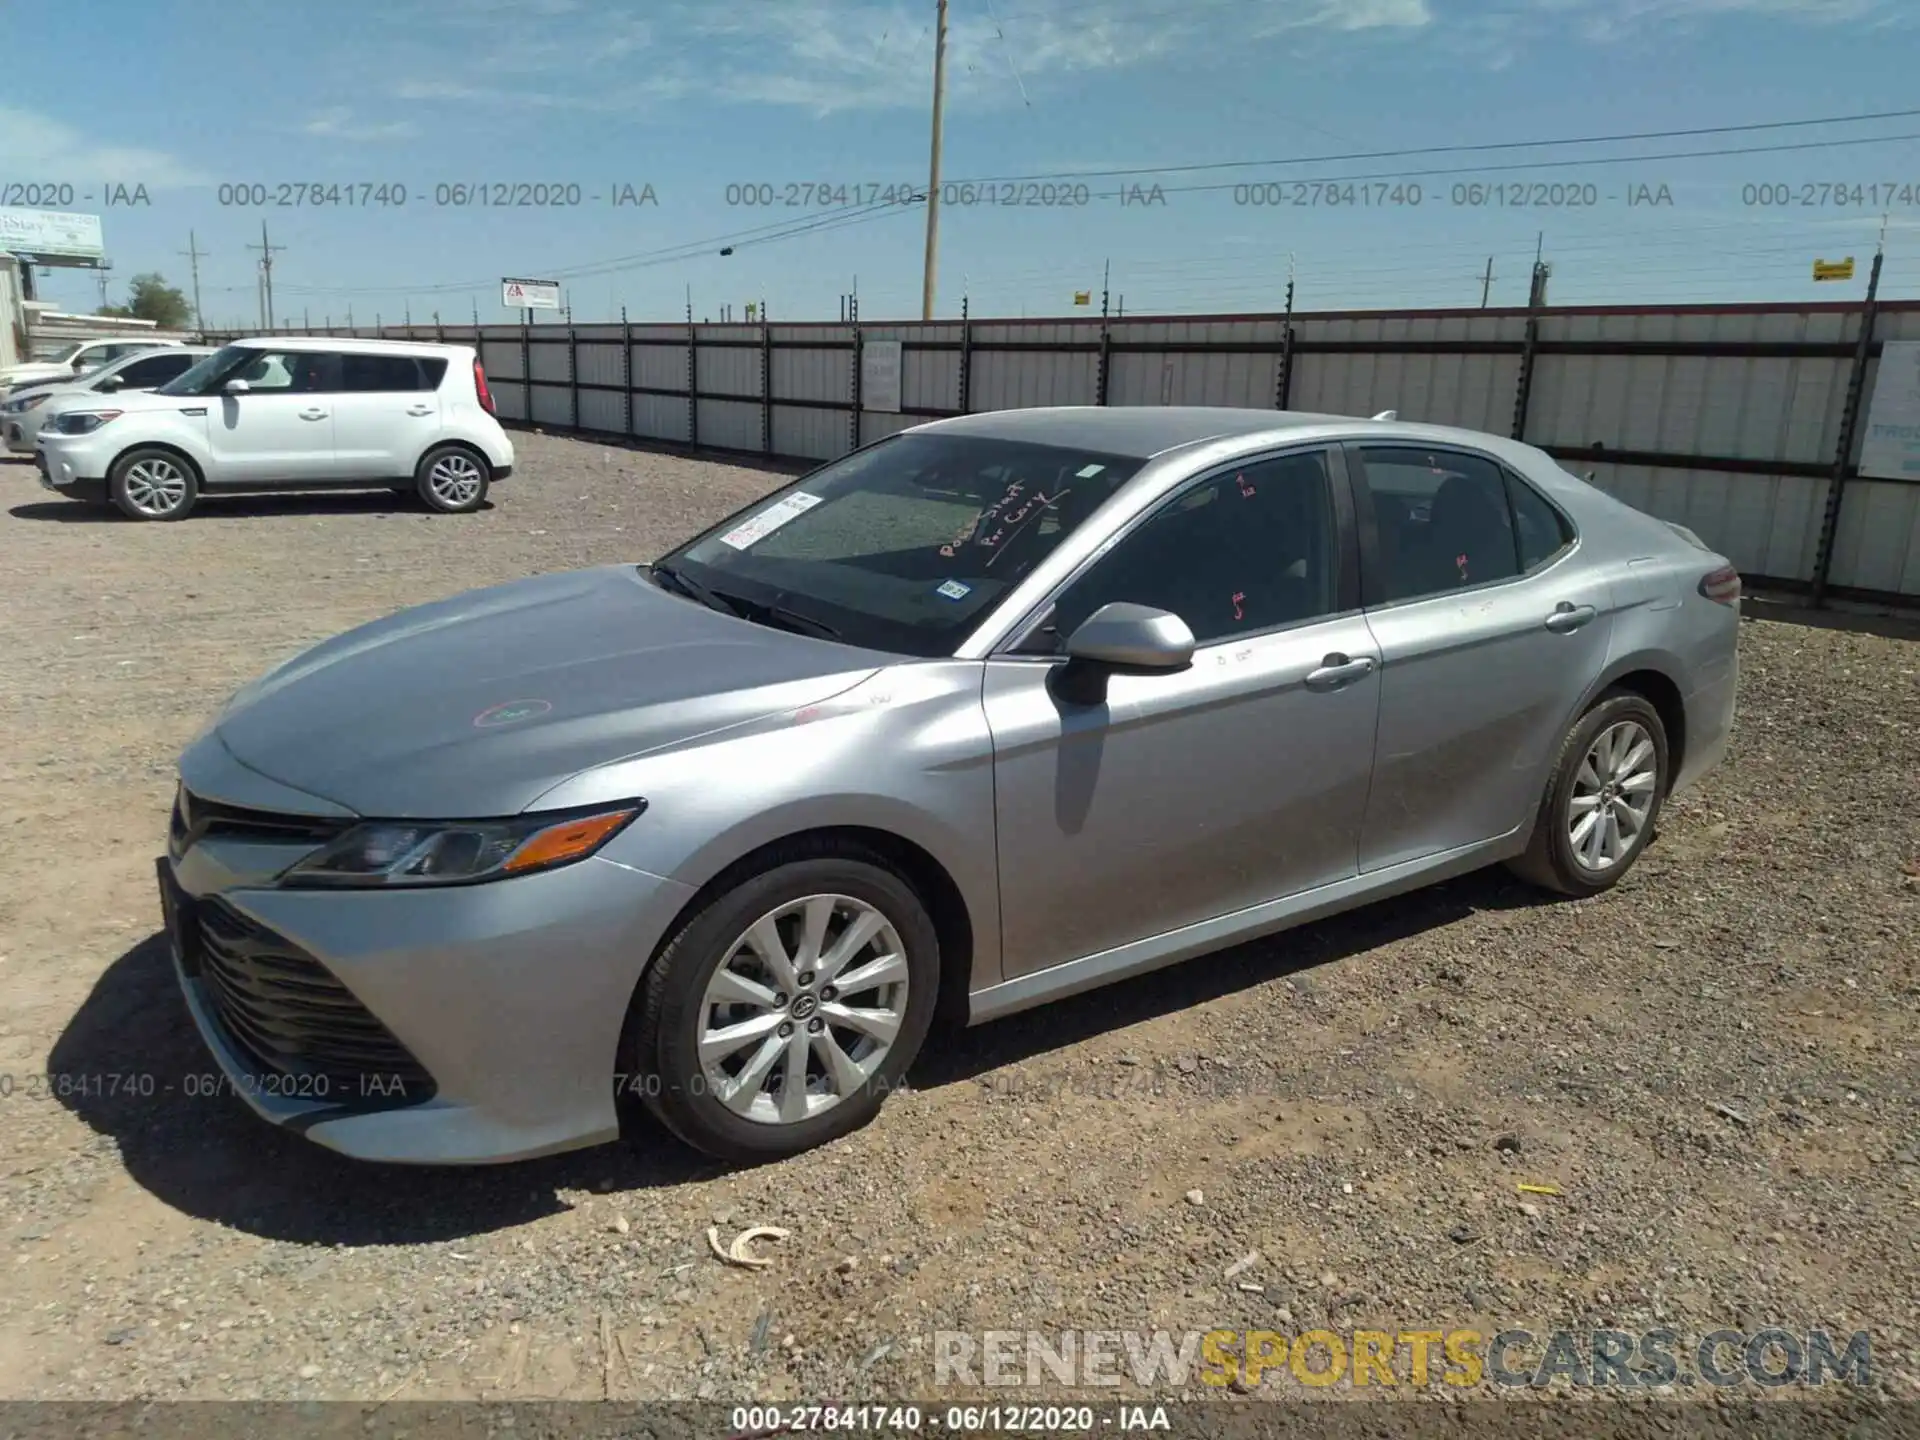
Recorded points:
459,852
25,403
84,422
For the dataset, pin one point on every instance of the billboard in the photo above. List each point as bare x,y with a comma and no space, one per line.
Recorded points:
530,294
50,235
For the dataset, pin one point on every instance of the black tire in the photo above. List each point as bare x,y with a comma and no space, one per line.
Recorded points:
659,1050
1550,861
434,479
145,477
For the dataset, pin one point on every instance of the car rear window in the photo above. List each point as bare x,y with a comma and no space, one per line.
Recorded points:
389,373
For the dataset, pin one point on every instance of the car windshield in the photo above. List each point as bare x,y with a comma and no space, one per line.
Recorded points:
196,377
902,546
65,357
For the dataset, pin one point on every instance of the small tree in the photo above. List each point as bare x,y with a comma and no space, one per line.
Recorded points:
149,297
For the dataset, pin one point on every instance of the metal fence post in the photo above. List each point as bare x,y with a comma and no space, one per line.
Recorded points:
966,358
1106,358
1849,428
853,427
1283,375
766,388
693,376
573,378
626,373
1523,390
526,361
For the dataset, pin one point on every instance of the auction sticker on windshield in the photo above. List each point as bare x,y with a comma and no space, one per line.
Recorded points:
769,520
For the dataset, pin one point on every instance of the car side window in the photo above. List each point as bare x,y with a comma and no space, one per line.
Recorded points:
385,374
1249,550
302,371
155,371
1540,530
1441,520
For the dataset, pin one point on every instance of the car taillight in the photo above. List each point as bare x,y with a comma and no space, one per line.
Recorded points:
1722,586
480,387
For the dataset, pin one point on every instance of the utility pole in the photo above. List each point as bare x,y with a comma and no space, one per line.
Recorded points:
101,275
193,253
266,249
1106,292
1486,283
933,166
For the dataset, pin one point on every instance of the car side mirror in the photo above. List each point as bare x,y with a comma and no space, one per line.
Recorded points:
111,383
236,387
1121,639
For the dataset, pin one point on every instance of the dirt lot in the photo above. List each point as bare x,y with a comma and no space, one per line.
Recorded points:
1716,1064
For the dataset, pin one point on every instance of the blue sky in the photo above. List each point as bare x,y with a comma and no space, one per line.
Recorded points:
184,97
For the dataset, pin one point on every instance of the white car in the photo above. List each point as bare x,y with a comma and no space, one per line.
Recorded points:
285,413
77,359
28,407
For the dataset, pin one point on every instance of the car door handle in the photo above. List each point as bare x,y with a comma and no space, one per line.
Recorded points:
420,410
313,414
1337,670
1568,617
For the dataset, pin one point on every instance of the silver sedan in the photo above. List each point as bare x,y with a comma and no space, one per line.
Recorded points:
1001,708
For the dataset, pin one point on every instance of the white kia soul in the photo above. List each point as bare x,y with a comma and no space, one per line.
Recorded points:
286,413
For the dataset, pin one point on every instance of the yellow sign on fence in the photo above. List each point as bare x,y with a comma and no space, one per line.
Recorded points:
1833,269
1083,297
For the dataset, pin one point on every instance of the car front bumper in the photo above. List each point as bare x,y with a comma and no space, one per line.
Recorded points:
510,995
73,463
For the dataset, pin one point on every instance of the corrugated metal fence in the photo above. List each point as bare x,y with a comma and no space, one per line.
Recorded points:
1728,419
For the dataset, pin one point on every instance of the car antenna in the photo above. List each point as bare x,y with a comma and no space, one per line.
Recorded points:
1388,415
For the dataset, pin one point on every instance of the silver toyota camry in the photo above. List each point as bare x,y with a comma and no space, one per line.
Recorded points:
999,709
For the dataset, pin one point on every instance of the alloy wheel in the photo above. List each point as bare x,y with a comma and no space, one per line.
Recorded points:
155,487
803,1009
1613,795
454,480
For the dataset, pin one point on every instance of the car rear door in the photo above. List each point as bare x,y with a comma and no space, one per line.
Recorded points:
1186,797
280,429
1489,631
387,413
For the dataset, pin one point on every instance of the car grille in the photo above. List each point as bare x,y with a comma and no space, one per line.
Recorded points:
287,1013
196,818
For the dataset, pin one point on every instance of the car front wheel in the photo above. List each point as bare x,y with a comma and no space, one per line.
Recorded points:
452,479
782,1014
153,484
1603,801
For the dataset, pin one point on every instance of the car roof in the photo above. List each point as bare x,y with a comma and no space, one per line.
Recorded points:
348,342
1137,431
1145,431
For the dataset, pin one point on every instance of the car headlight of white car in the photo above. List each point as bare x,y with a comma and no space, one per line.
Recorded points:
83,422
23,404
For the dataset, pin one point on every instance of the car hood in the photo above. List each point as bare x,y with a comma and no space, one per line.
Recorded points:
11,375
477,705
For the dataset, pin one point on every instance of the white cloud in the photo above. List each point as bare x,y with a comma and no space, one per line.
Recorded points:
338,124
834,56
35,144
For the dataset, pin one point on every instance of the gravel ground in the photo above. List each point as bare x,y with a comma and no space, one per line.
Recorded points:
1714,1063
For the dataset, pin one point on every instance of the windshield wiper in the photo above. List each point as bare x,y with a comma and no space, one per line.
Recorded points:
782,618
694,590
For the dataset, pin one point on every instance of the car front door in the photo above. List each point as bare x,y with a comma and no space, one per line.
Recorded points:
385,416
1184,797
1488,637
280,428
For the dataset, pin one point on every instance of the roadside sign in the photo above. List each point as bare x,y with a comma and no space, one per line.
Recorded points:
1833,269
1083,297
50,234
530,294
1891,448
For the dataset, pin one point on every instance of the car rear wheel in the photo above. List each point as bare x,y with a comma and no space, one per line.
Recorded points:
451,479
150,484
782,1014
1600,809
